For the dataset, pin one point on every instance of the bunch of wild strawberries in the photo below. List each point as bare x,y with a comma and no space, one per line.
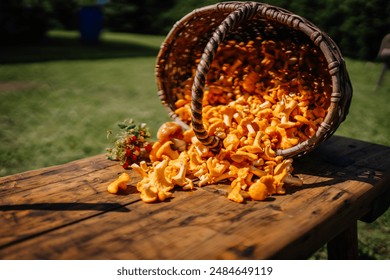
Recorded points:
131,144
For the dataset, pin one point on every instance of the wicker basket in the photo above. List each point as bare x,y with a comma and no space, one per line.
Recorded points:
192,44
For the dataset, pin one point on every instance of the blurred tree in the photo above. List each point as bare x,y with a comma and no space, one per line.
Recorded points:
362,26
140,16
23,21
64,13
357,26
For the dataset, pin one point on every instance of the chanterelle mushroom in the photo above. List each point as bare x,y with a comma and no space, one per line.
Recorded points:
156,186
258,191
232,141
180,178
166,149
120,183
227,114
168,131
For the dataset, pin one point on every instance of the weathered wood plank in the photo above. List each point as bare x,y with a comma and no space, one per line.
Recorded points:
56,198
44,176
69,214
201,225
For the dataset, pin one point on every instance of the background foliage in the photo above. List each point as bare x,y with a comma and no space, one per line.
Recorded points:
357,26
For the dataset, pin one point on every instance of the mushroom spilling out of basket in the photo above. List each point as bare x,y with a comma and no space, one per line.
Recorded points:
249,86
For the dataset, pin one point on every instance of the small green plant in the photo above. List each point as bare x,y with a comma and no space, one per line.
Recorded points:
131,143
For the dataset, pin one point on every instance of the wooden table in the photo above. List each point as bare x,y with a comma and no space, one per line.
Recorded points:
65,212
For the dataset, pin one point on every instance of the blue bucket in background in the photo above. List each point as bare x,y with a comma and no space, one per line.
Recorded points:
90,23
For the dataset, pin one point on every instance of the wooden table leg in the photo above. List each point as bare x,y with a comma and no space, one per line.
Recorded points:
345,245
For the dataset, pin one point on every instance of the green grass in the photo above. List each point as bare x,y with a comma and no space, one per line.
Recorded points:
368,116
58,99
58,108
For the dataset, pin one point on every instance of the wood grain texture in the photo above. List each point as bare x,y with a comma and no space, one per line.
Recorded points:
65,212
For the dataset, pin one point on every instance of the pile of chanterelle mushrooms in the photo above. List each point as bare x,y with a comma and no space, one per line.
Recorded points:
260,96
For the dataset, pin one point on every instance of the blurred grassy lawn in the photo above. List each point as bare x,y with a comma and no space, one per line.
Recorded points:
58,106
58,99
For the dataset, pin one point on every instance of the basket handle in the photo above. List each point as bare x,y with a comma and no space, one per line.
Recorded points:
245,11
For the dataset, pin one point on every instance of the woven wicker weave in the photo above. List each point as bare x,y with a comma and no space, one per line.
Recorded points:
202,31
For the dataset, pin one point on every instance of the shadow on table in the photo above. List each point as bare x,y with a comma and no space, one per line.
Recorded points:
71,206
342,160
